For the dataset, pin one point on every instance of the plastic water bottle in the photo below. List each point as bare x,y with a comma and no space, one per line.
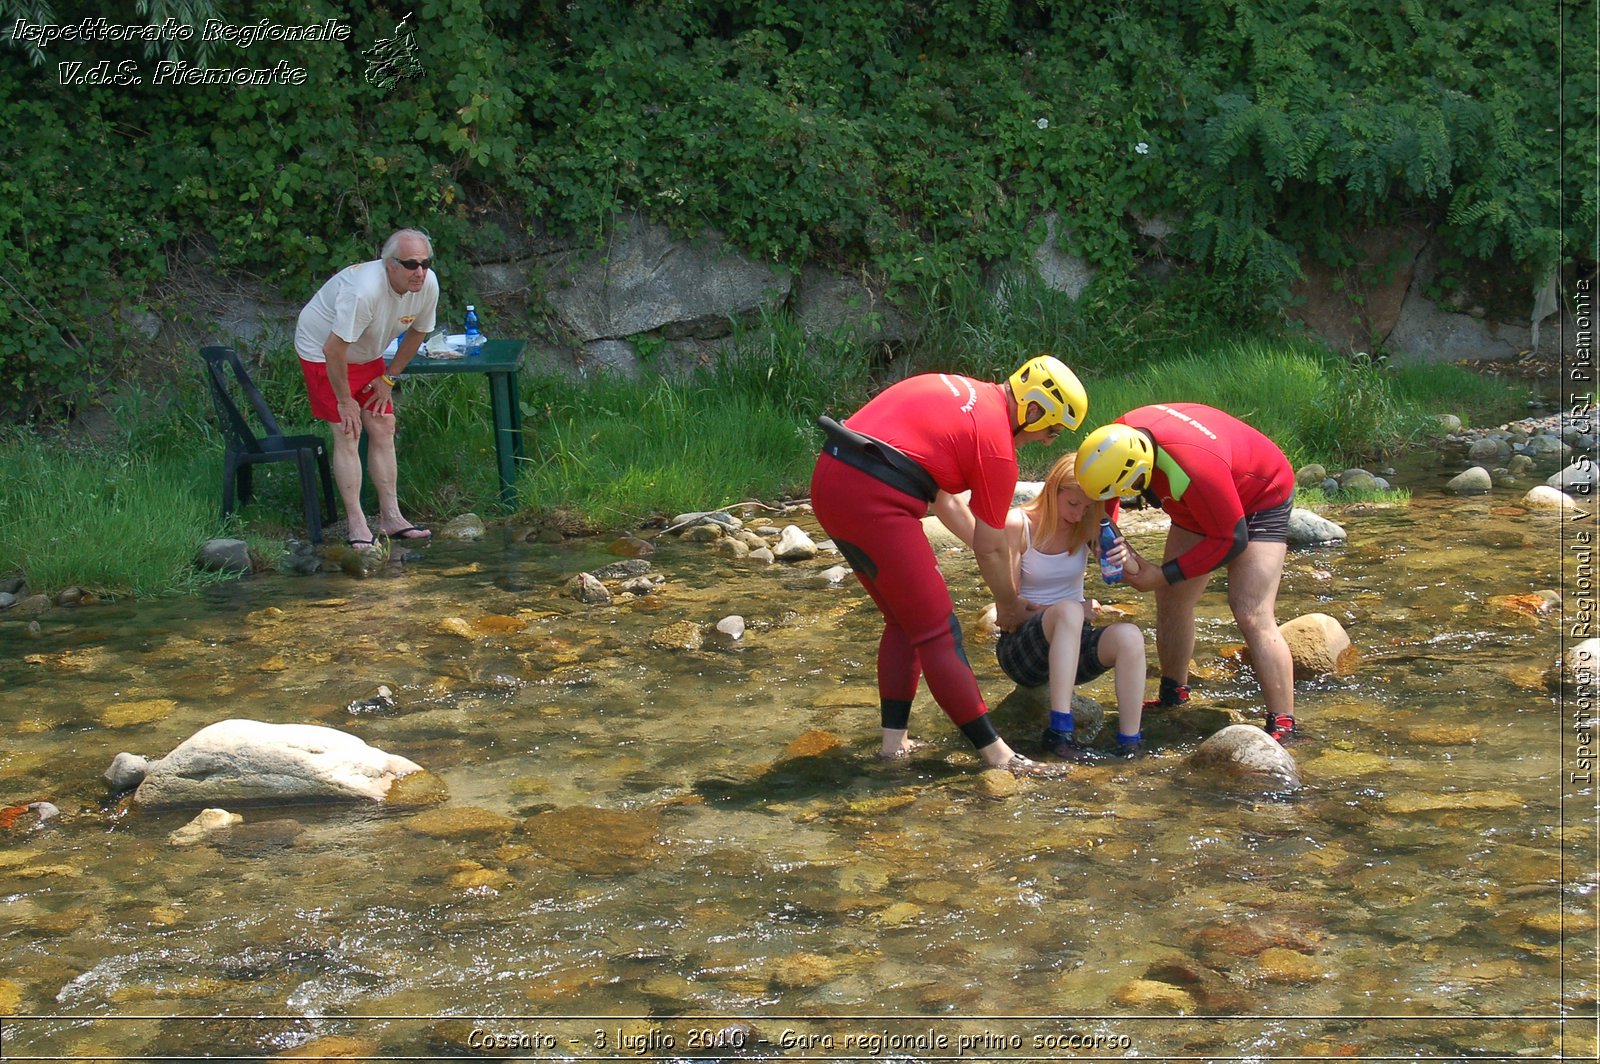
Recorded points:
474,338
1110,572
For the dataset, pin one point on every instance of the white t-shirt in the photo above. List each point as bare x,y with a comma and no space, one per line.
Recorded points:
358,305
1046,579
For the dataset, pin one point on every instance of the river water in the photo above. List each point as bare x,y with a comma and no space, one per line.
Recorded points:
652,852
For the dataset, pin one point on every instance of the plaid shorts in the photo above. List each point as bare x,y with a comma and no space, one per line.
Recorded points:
1024,655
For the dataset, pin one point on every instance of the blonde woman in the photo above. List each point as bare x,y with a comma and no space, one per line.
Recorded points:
1051,540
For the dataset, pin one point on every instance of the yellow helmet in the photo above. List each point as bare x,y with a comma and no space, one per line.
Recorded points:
1111,459
1045,379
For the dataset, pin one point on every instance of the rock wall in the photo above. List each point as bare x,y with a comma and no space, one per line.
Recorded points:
646,299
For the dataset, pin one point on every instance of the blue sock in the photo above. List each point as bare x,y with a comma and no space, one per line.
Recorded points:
1061,722
1129,740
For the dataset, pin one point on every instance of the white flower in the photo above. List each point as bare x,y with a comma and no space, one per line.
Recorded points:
1043,123
1142,148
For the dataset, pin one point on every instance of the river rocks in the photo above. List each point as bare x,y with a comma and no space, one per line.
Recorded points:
1310,529
1453,801
1358,480
794,545
461,822
628,567
1545,449
1474,481
1576,479
207,823
333,1047
588,589
1152,995
631,547
732,548
224,556
124,714
997,784
601,841
1245,755
1489,451
723,520
1578,668
833,576
247,760
467,526
1311,475
1544,497
29,816
728,631
126,771
705,532
1318,644
679,635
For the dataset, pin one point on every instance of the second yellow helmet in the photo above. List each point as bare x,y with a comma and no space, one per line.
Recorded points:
1111,461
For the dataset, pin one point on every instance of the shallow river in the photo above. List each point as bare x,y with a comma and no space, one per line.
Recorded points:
654,853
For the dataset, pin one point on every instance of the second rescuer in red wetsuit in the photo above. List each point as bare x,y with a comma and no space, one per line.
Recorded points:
921,441
1229,490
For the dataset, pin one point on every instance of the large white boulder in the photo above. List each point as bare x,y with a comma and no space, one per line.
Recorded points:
249,760
1245,756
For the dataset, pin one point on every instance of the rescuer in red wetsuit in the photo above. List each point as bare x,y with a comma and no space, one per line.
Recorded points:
921,441
1229,491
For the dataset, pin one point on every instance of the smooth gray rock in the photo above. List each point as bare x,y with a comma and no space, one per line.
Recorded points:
126,771
1577,479
1310,529
249,760
1489,450
1474,481
224,556
1246,756
1357,480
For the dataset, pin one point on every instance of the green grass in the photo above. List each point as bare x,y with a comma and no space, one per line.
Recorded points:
108,521
127,516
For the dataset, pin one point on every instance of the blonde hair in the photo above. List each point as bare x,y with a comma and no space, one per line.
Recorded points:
1046,514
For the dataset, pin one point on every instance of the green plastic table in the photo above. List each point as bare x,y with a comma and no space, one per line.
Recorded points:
498,362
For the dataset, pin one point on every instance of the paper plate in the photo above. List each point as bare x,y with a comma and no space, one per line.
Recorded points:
457,343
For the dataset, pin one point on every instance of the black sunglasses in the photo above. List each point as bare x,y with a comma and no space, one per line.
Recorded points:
411,264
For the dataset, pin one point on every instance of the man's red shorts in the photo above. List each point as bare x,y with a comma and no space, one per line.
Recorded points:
361,375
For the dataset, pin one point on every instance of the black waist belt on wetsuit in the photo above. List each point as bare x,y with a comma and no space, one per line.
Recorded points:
877,459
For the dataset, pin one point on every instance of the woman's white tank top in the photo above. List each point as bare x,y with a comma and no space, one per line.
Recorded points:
1049,578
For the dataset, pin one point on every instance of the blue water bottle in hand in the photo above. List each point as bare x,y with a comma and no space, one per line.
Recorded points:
474,338
1110,572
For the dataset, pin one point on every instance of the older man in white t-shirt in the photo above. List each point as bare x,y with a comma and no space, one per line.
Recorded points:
341,338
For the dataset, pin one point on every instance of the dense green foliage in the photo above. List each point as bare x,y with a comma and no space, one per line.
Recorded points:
919,139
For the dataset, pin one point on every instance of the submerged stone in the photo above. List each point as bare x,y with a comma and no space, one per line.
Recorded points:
594,840
208,822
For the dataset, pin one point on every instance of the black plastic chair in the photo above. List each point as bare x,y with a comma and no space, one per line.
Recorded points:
246,449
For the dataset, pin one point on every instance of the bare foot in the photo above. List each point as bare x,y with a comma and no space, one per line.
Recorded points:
1045,770
405,531
905,750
